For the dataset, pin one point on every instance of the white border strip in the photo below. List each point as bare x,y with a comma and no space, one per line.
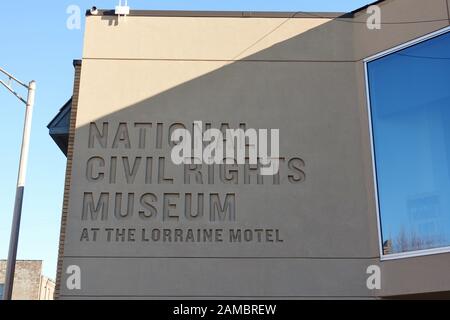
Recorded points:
410,254
407,44
417,253
374,169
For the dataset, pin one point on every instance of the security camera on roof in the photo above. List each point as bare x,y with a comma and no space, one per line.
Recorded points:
94,10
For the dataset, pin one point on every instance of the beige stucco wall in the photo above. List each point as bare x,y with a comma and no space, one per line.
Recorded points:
304,76
197,38
176,49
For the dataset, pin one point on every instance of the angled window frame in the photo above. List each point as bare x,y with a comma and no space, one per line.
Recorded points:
366,61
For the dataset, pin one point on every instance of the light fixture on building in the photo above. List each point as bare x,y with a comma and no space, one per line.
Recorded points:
122,10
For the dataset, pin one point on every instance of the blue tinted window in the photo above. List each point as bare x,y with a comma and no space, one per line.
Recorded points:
410,109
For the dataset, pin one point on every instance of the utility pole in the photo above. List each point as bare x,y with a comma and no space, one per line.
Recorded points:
12,254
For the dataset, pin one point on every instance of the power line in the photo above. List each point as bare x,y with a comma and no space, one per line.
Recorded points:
260,60
219,60
346,20
265,36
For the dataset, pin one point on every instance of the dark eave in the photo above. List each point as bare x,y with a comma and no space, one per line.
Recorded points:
59,126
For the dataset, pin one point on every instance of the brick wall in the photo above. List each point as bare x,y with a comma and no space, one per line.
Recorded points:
65,209
27,280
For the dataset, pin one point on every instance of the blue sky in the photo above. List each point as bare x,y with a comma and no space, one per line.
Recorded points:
35,44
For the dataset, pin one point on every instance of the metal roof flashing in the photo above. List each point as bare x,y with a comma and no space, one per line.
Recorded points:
221,14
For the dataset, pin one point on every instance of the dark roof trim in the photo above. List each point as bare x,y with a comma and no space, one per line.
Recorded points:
59,127
366,6
61,113
237,14
221,14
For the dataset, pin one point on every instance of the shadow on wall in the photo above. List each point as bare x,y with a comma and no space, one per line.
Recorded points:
315,104
309,86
